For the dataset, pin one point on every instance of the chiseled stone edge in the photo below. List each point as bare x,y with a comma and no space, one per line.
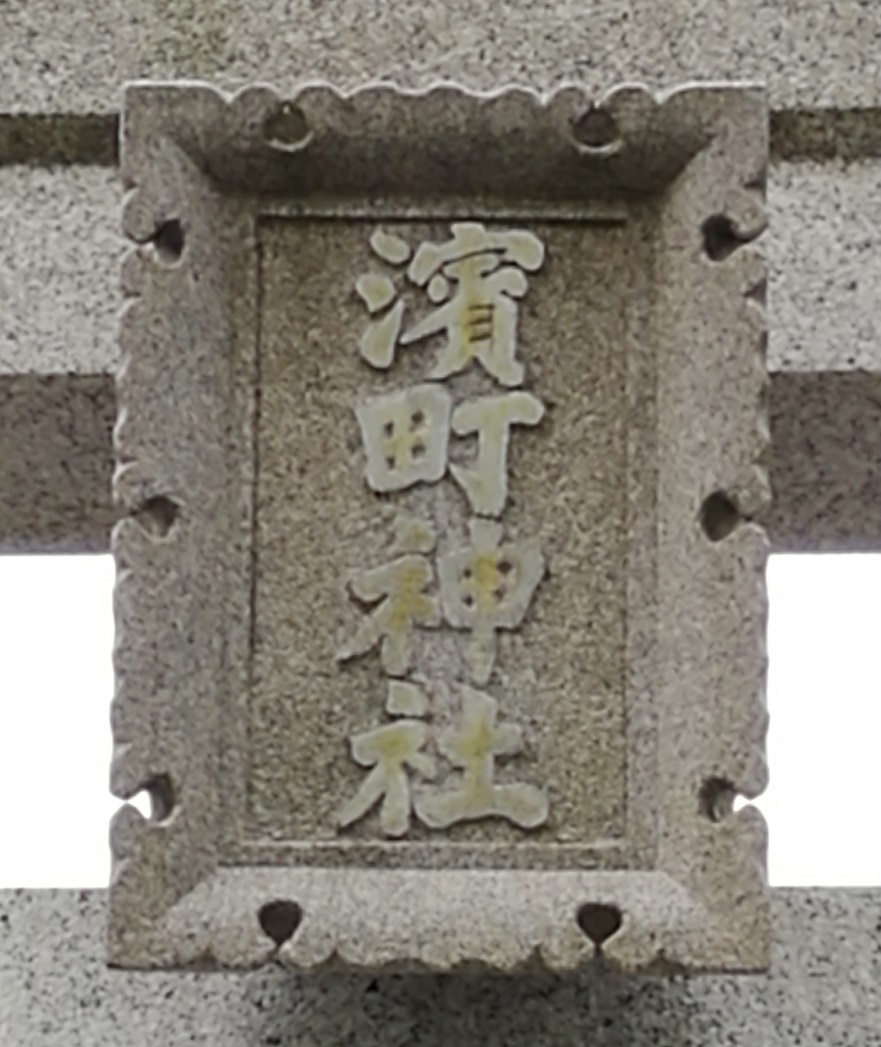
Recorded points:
711,558
798,133
172,545
437,919
172,473
321,140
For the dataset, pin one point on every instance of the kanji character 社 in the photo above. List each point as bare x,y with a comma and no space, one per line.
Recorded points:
474,278
406,436
486,587
390,750
491,417
398,589
473,747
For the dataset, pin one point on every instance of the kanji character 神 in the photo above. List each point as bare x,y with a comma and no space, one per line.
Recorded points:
474,278
486,587
473,747
398,589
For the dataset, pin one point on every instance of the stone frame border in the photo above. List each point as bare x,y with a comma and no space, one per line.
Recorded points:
190,157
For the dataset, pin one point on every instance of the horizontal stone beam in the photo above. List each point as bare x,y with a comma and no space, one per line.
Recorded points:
59,264
825,462
56,462
824,986
811,55
61,251
46,139
60,256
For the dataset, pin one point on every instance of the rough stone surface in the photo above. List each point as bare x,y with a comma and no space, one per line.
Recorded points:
810,54
64,250
573,746
825,462
826,134
55,463
823,983
823,987
824,259
59,260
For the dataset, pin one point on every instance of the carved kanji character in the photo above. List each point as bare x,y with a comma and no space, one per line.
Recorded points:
405,699
378,292
473,747
399,590
491,417
406,436
390,750
486,587
475,278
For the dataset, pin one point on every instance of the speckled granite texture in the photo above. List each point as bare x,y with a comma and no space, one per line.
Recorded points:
61,86
62,250
236,388
823,988
817,53
826,462
824,260
59,265
55,462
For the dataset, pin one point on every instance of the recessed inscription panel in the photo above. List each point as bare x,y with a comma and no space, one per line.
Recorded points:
442,522
438,658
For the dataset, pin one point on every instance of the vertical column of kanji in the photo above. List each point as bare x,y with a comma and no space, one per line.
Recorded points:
474,280
171,544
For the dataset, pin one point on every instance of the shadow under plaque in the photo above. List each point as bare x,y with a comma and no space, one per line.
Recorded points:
440,604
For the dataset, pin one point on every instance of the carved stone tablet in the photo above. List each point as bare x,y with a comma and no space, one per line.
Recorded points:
440,605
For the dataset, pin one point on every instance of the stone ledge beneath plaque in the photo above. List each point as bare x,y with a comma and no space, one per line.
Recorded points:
443,919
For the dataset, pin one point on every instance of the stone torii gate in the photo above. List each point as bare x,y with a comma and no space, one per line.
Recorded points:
59,103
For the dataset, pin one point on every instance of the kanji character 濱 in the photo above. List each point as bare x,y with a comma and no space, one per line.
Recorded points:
480,315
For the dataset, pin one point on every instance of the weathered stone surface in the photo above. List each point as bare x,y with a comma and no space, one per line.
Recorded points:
825,134
826,463
824,258
809,54
397,717
56,458
59,259
55,463
821,316
823,987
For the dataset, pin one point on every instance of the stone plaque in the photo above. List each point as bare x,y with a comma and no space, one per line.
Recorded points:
440,606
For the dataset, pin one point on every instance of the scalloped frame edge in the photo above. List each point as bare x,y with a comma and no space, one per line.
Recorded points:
174,903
